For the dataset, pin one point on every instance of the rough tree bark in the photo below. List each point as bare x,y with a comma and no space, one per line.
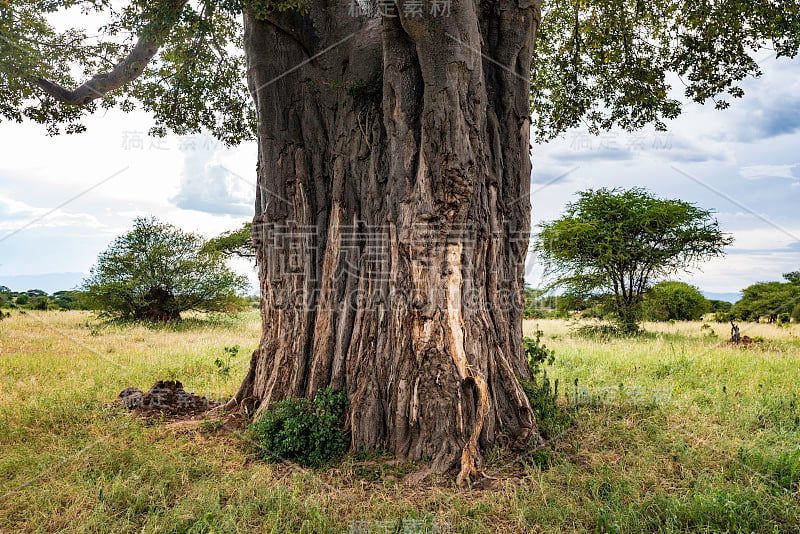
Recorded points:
392,221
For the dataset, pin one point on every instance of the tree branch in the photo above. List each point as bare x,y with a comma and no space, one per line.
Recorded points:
124,72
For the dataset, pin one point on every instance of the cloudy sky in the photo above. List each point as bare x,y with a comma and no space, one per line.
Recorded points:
64,199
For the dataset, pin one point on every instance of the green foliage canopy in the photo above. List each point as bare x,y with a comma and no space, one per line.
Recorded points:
769,299
234,243
621,241
674,300
156,271
601,63
606,62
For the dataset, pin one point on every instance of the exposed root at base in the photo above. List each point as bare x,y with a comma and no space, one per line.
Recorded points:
470,456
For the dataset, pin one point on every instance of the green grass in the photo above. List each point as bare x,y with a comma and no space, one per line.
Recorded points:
677,433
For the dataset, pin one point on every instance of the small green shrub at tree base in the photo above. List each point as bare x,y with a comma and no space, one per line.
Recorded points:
307,432
543,396
537,353
541,393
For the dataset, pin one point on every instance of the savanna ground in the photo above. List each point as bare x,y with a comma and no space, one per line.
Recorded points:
677,432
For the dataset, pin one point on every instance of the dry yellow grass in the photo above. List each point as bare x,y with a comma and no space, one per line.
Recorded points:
86,352
678,432
684,328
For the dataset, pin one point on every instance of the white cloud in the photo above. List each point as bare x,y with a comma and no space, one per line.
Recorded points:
755,172
15,215
210,187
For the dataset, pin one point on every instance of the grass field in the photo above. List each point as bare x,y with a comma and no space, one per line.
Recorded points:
677,432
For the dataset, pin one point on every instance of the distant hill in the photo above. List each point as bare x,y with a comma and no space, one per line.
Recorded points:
48,282
730,297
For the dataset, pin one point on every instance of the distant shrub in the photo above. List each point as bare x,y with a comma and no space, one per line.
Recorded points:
155,271
601,331
707,331
674,300
784,319
307,432
719,305
722,317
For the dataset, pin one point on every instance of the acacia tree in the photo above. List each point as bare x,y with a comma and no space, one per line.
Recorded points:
769,299
156,271
400,123
620,242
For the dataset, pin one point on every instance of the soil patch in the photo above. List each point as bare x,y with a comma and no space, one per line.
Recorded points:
167,397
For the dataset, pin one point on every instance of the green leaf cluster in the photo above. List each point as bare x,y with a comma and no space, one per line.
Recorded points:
308,432
606,63
603,63
233,243
157,271
224,364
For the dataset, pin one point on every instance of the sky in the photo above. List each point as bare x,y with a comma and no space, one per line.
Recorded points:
64,199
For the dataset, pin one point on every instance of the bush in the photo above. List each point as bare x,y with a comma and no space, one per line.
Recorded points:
722,317
224,364
307,432
156,271
674,300
541,393
537,353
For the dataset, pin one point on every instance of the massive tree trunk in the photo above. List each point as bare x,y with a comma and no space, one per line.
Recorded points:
392,220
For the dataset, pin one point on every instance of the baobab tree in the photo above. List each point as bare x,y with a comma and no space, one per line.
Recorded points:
392,204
